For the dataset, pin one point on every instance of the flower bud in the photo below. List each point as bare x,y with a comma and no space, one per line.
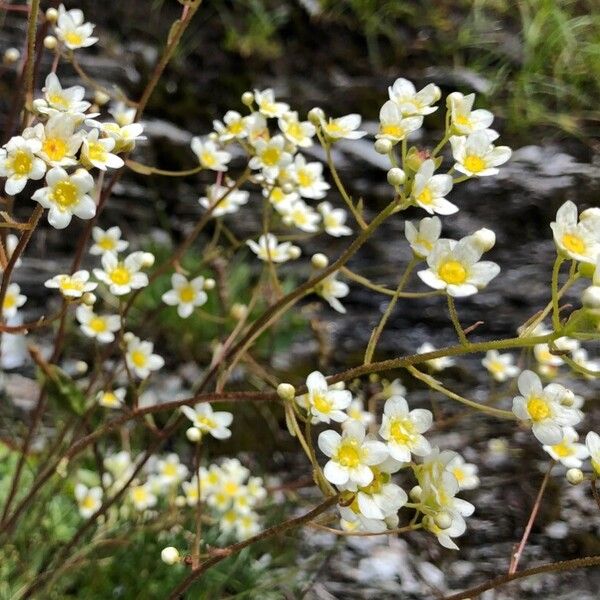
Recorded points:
238,311
180,501
247,99
568,398
101,98
443,520
396,176
52,15
316,115
170,555
287,188
193,434
286,391
416,493
319,261
209,284
437,93
591,297
89,299
128,337
484,239
294,252
148,259
586,270
213,136
453,97
11,56
81,367
50,42
575,476
383,146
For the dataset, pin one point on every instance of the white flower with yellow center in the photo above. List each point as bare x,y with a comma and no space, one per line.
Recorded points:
18,163
351,455
140,358
280,200
224,200
301,215
455,267
411,102
206,420
185,294
269,250
71,29
59,99
429,190
100,327
271,156
247,526
170,471
210,479
393,125
334,220
60,142
464,119
13,300
402,429
545,357
500,366
256,127
330,289
210,155
299,133
324,403
424,236
435,364
119,467
125,137
308,178
122,276
345,127
89,500
267,105
576,240
142,497
66,195
381,498
592,442
111,398
232,127
256,490
542,408
96,152
475,156
107,241
456,528
568,452
122,113
465,473
190,489
72,286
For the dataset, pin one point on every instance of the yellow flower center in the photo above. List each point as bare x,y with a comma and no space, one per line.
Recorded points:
205,423
106,243
379,479
21,162
187,293
68,284
573,243
392,130
321,403
538,408
452,272
474,163
563,449
402,431
329,220
73,38
88,502
271,156
139,494
138,358
335,128
462,120
97,324
459,474
348,454
170,470
96,151
596,466
235,128
425,197
423,242
294,130
58,100
109,399
497,367
305,179
208,159
231,488
65,194
55,148
120,275
9,301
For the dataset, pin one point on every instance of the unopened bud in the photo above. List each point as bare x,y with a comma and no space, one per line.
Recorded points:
180,501
193,434
383,146
294,252
247,98
239,311
89,299
286,391
11,56
81,367
568,398
575,476
128,337
101,98
50,42
587,270
443,520
148,259
484,239
396,176
319,261
287,188
209,284
591,297
170,555
316,115
213,137
415,493
453,97
52,15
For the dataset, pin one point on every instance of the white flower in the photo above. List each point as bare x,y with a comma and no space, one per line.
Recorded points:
330,289
225,200
170,471
381,498
299,133
88,499
247,526
72,286
142,497
185,294
455,267
267,106
465,473
122,276
271,156
423,238
13,300
309,178
232,127
125,137
456,528
500,366
576,240
568,452
343,127
351,455
281,201
411,102
208,421
107,241
464,119
592,442
256,127
545,357
100,327
97,152
140,358
402,429
72,31
334,220
302,216
122,114
476,156
429,190
209,155
111,398
18,163
269,250
436,364
66,195
324,403
59,141
356,412
542,408
59,99
393,125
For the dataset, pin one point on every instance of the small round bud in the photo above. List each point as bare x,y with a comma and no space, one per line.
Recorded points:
213,137
575,476
568,398
209,284
81,367
287,188
101,98
52,15
247,98
396,176
316,115
238,311
180,501
383,146
591,297
89,299
286,391
453,97
128,337
148,259
443,520
50,42
586,270
294,252
484,239
319,261
11,56
193,434
416,493
170,555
